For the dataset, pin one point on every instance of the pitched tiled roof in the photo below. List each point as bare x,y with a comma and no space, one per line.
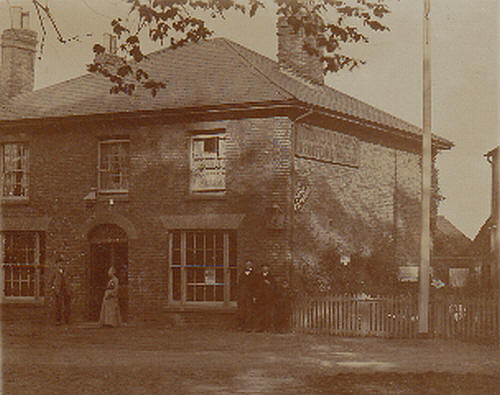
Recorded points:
449,240
210,73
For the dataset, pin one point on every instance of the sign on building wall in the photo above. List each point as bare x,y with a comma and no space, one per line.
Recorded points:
327,146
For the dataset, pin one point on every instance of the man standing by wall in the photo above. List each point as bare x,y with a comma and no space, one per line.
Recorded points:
246,298
60,288
266,296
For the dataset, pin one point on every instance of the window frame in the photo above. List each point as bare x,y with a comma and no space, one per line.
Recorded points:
101,171
227,267
38,267
220,134
25,171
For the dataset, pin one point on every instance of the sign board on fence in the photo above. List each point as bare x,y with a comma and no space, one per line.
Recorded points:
410,273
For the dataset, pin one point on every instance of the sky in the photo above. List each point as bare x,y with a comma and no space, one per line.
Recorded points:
465,76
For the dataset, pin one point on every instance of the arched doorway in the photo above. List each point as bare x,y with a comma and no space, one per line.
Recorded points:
108,247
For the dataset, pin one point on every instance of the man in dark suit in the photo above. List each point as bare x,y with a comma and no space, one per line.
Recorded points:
246,298
59,286
266,294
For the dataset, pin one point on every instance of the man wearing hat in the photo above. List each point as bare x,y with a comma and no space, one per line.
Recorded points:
59,286
246,298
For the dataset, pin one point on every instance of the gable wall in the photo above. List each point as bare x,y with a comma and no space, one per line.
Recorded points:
358,209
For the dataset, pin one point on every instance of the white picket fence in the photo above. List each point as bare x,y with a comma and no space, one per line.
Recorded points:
359,315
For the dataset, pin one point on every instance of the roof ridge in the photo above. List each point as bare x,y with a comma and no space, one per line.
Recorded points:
291,74
230,43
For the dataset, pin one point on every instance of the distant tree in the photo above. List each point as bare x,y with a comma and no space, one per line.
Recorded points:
331,22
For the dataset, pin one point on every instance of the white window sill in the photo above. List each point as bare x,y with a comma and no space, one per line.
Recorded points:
14,200
207,195
27,300
201,306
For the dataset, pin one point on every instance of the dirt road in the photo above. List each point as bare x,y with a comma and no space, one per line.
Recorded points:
161,360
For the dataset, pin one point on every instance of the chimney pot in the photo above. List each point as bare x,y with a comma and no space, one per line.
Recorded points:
110,43
16,17
25,20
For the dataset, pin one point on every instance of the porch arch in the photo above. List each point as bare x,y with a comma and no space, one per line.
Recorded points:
109,218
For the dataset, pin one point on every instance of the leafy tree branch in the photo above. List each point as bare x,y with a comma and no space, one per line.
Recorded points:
328,23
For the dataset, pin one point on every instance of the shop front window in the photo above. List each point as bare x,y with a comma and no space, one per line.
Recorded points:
202,266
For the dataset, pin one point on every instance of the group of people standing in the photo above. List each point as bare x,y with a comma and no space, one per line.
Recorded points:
61,292
263,303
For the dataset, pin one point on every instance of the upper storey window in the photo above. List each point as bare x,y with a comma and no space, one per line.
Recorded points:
113,166
14,168
208,162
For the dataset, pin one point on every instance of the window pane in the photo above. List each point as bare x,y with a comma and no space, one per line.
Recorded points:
114,165
211,145
205,279
210,293
219,295
42,283
14,170
21,253
208,163
200,293
219,236
219,258
232,250
222,148
219,276
176,257
200,276
190,293
176,279
234,283
177,240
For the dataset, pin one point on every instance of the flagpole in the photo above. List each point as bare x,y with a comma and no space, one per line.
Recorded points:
425,239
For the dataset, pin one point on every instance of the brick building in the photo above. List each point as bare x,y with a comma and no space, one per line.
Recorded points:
239,157
487,241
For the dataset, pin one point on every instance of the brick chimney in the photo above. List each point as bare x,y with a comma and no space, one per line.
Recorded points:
293,56
17,71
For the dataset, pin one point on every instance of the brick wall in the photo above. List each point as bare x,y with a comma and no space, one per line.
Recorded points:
63,171
355,208
358,209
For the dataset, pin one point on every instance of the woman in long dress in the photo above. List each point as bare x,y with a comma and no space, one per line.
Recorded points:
110,309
